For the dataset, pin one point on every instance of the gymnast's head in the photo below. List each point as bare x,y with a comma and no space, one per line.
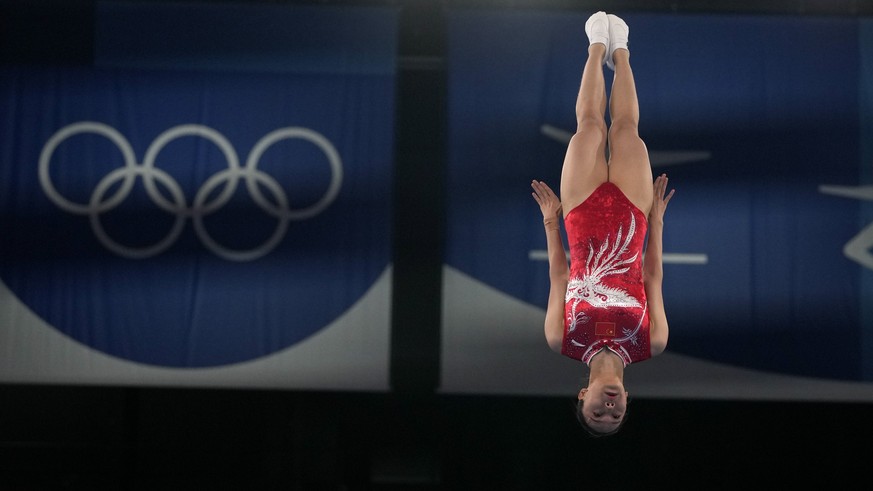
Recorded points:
602,408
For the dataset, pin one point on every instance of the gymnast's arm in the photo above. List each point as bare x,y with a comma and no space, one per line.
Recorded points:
653,269
559,271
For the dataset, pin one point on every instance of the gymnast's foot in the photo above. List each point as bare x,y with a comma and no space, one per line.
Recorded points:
618,35
597,29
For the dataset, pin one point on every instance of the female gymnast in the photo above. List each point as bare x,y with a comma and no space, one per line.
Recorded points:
606,308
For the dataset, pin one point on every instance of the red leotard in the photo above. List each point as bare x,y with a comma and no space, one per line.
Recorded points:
605,305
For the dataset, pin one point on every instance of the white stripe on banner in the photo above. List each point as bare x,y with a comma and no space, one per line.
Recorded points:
342,356
666,258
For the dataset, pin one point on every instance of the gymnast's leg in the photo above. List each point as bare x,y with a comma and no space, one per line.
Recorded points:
629,166
585,162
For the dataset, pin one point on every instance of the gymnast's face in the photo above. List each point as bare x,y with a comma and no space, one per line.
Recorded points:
603,406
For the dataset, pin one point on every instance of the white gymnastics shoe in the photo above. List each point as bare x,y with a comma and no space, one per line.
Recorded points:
597,29
618,34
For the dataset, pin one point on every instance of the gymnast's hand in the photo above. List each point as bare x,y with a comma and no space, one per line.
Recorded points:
550,205
659,203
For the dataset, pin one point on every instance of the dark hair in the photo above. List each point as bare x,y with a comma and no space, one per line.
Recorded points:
591,431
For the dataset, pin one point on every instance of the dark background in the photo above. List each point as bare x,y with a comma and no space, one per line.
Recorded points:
68,437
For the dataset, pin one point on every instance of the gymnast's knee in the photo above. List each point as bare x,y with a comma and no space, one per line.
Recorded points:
622,129
590,127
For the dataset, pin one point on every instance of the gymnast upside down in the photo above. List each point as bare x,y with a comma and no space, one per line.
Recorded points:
606,308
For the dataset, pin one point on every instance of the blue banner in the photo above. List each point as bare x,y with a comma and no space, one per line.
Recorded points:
755,120
860,247
201,200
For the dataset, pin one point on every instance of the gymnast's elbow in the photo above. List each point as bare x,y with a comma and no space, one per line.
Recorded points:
554,337
658,347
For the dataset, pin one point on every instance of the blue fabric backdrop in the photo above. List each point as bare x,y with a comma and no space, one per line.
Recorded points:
216,189
865,223
769,106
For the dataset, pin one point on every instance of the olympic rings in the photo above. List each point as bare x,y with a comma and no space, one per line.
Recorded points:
99,203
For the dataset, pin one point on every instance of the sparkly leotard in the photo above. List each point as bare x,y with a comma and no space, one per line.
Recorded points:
605,305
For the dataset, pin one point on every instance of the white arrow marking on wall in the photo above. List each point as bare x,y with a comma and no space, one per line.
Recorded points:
858,247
